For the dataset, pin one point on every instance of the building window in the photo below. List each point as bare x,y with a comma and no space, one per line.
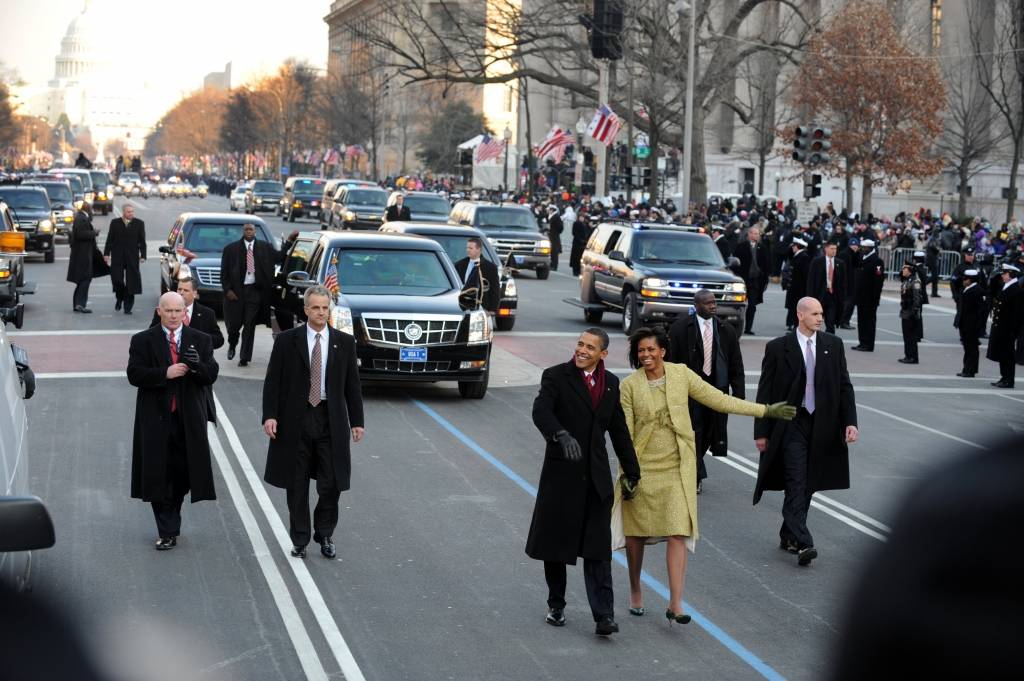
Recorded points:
1006,194
936,25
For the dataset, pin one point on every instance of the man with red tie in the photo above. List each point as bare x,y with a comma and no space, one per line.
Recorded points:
171,365
826,281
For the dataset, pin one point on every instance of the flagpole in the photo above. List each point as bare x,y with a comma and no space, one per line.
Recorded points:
684,169
600,179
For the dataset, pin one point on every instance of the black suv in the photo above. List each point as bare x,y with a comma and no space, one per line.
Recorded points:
264,195
399,297
512,230
62,203
651,271
30,208
453,240
103,188
359,208
12,264
302,197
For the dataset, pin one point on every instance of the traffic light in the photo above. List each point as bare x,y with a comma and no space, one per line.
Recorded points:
604,26
812,186
820,144
801,143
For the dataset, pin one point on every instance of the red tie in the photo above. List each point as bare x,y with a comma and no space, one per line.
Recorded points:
174,360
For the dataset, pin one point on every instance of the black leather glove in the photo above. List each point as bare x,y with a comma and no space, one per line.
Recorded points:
628,486
570,448
191,358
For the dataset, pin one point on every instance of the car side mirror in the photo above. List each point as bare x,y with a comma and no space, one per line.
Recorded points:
166,249
25,524
617,256
299,279
13,315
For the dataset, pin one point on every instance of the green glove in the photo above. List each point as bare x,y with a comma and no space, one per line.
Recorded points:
780,410
628,488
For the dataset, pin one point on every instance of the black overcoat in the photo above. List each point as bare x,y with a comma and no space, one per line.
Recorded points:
149,355
580,236
564,525
203,319
755,284
555,228
393,213
489,273
783,379
286,395
83,245
232,274
870,280
126,244
687,347
1007,317
799,264
969,313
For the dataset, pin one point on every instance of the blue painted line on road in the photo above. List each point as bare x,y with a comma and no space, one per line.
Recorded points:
734,646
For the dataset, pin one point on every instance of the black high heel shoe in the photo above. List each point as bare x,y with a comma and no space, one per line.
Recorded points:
679,618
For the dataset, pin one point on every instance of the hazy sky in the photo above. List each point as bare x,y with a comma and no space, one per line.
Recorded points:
176,42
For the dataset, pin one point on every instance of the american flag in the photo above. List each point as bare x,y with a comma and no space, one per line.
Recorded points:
331,281
489,147
555,144
605,125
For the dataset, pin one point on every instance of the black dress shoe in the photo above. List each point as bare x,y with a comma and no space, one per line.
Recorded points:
85,310
789,546
806,555
117,306
166,543
298,552
127,311
848,327
965,374
78,308
555,617
327,548
1002,384
904,360
748,332
606,626
231,352
243,363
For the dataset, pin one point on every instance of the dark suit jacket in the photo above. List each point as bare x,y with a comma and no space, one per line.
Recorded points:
83,245
755,285
203,319
969,313
799,264
724,247
687,347
126,244
817,279
149,356
393,213
232,266
572,515
783,379
489,272
870,280
286,394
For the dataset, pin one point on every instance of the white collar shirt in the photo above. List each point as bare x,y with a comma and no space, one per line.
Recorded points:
1010,283
969,287
471,268
802,340
310,340
702,323
188,313
250,277
172,335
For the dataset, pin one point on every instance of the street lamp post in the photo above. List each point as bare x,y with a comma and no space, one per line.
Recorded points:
507,135
581,127
691,57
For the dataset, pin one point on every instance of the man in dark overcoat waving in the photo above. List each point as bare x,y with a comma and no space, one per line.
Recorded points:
125,249
807,369
312,403
171,365
577,404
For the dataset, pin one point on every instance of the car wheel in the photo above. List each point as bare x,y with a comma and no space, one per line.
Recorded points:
49,256
474,390
543,272
505,323
593,316
630,314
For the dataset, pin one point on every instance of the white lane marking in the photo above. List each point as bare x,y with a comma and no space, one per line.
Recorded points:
336,642
916,390
82,374
818,495
814,503
78,332
575,334
1015,399
911,377
927,428
301,641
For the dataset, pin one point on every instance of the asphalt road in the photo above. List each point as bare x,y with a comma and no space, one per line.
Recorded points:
431,581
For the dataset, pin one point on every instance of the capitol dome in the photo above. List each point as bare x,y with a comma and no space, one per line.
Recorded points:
81,49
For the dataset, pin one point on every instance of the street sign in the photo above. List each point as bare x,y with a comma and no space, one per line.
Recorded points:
284,170
806,211
641,152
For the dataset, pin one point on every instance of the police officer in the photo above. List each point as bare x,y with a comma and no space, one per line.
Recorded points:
1006,325
851,257
795,278
957,285
970,304
921,271
870,280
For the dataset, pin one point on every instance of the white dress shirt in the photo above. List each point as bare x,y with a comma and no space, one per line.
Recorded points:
803,351
701,323
310,340
471,269
188,313
250,277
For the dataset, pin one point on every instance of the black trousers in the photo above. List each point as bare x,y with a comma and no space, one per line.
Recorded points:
791,317
167,511
1008,369
81,296
241,316
597,575
751,311
910,337
848,306
797,500
832,308
867,319
313,458
121,289
970,343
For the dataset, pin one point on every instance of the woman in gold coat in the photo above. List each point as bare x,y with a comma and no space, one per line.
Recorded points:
655,399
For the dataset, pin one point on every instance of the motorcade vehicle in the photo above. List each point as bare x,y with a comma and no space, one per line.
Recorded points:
302,197
128,179
331,188
12,259
73,181
423,206
650,272
148,189
512,230
62,203
103,186
30,208
201,190
453,240
237,197
165,190
401,299
359,208
87,186
264,195
25,524
194,246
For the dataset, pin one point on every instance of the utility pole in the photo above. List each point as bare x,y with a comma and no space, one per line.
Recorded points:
691,58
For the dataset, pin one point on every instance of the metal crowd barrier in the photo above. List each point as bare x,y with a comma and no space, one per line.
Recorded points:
895,257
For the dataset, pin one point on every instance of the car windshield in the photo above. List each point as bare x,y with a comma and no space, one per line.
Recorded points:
367,197
25,199
212,237
99,179
270,187
76,184
676,248
391,272
308,187
434,205
59,193
133,177
455,245
505,218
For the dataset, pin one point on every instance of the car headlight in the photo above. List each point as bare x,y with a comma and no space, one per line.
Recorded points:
479,327
45,226
315,203
258,200
510,287
296,204
349,216
544,243
654,282
651,288
738,287
103,196
341,319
